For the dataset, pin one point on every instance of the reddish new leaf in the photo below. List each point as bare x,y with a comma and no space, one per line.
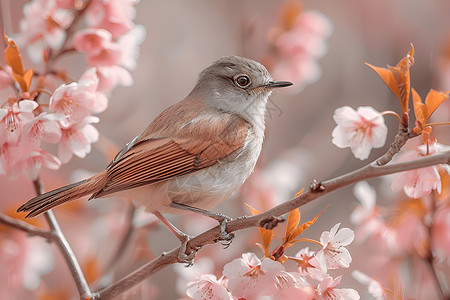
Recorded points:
266,235
434,99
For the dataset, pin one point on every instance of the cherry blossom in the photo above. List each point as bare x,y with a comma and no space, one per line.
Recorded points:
78,100
309,264
366,214
249,277
111,76
44,25
203,265
12,119
77,139
91,40
361,130
113,15
327,290
32,163
301,46
333,252
374,286
417,183
43,127
206,286
25,260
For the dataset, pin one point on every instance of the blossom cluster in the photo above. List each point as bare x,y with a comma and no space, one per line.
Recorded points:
102,30
250,277
298,43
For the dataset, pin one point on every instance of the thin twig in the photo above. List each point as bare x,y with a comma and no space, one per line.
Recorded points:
369,171
61,242
24,226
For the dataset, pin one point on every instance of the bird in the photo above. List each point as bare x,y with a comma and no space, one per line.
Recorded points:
192,156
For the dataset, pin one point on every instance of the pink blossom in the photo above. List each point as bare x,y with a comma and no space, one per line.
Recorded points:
78,100
360,130
417,183
301,46
129,45
43,127
309,264
6,79
44,25
116,16
441,232
366,215
203,265
12,119
327,290
250,278
24,261
111,76
91,40
333,252
207,287
77,139
34,161
374,286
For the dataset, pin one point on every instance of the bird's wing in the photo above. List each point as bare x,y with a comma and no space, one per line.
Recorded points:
151,160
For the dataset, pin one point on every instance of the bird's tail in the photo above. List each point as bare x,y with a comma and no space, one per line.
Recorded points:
46,201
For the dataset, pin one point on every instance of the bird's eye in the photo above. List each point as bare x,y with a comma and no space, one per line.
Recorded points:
242,80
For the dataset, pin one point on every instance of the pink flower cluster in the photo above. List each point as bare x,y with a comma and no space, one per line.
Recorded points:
300,48
111,41
250,278
49,29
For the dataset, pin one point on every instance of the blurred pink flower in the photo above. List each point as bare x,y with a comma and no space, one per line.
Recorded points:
333,252
327,290
12,119
300,48
24,260
6,79
250,278
206,286
91,40
360,130
374,286
129,45
417,183
111,76
77,139
441,232
44,25
366,215
116,16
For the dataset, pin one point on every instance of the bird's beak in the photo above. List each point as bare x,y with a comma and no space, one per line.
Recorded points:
277,84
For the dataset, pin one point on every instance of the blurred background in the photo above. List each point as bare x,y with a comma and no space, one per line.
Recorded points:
184,37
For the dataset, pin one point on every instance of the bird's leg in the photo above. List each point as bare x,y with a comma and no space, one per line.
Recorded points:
222,219
182,237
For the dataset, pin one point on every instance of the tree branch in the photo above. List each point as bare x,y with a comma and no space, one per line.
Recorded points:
371,170
61,242
23,226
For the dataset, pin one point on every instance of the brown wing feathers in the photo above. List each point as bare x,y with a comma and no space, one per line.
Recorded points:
151,158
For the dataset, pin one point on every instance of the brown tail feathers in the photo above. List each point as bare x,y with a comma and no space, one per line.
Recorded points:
46,201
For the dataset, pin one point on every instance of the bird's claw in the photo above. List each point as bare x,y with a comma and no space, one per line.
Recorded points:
225,237
187,252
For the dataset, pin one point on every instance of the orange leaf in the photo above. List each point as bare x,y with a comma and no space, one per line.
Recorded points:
12,56
291,224
434,99
397,78
299,193
266,235
420,109
388,78
304,226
